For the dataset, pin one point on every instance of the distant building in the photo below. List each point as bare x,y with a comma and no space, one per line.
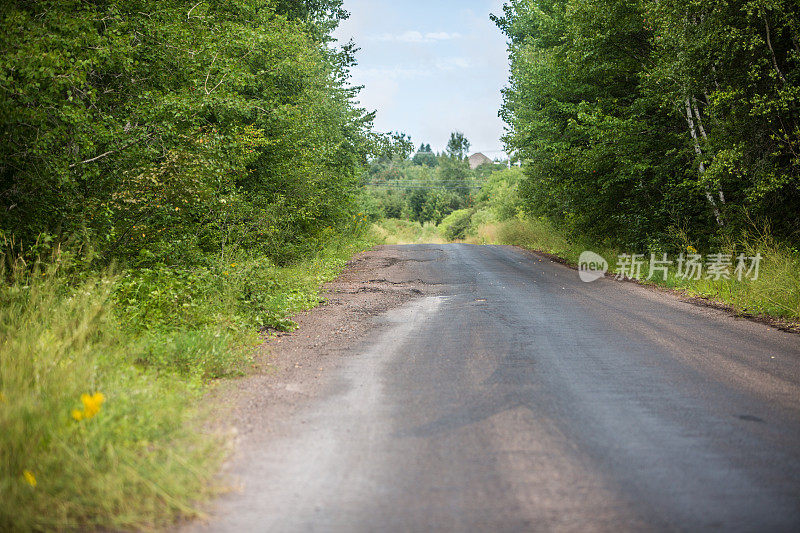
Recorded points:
476,160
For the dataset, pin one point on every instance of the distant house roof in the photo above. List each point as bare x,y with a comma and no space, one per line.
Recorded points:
476,160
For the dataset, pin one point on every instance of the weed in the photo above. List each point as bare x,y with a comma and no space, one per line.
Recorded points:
100,381
398,231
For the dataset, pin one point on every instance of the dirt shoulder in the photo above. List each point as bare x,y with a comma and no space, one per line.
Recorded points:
292,368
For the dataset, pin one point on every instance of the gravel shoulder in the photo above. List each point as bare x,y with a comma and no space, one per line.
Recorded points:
291,369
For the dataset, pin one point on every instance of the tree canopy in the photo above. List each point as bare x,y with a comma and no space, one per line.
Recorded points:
165,130
458,145
639,118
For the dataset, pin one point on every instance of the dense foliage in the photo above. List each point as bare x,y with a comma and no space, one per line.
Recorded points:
425,187
167,132
639,120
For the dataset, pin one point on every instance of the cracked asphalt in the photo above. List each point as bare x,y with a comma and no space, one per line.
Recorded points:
472,388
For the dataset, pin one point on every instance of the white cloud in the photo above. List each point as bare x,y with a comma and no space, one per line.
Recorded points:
413,36
365,75
453,63
442,36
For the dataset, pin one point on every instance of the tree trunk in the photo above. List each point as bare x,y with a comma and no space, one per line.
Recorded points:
699,152
705,138
772,51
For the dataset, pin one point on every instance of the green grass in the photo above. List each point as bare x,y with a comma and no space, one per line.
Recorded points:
151,342
775,293
133,465
397,231
535,234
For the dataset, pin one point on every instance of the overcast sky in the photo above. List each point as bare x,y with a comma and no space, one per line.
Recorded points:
431,67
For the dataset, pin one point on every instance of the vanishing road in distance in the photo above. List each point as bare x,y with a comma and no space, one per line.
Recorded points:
510,396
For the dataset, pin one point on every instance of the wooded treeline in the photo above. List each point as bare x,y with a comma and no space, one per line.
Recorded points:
424,186
165,132
639,120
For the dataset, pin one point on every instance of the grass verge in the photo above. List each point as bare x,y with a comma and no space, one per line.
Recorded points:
397,231
100,381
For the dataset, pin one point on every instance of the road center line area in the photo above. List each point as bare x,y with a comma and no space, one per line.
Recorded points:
467,388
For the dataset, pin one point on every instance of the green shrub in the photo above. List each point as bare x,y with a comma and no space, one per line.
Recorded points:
454,226
481,217
501,195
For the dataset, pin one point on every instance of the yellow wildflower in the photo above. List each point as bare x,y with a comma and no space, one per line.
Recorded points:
91,406
691,249
29,477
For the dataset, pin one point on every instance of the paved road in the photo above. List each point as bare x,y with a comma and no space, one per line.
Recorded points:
520,399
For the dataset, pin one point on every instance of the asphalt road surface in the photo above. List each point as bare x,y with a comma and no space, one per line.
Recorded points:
514,397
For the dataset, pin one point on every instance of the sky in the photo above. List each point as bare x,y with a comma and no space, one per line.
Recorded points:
430,68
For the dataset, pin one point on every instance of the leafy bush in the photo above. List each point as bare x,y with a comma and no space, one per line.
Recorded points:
481,217
455,225
167,145
500,193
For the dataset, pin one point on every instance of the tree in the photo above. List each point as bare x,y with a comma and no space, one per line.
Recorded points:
458,145
425,156
166,131
636,116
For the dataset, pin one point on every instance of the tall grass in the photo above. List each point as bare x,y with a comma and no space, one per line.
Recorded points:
536,234
776,290
149,342
135,464
397,231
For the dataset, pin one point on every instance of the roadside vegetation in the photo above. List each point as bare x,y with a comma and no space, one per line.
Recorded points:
102,374
399,231
176,178
661,127
641,120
